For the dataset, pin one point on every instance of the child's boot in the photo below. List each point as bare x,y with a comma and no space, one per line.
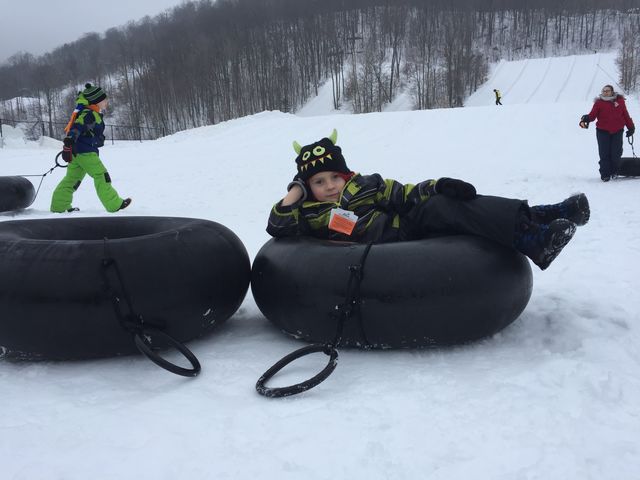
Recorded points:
542,243
125,203
575,209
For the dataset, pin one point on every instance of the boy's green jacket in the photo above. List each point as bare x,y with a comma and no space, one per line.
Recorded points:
380,205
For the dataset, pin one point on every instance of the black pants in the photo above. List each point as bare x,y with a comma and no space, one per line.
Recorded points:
498,102
494,218
610,151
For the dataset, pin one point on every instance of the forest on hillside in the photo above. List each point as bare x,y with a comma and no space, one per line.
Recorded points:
206,62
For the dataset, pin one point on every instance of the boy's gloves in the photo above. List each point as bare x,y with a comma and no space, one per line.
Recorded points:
453,188
631,131
584,121
301,184
67,150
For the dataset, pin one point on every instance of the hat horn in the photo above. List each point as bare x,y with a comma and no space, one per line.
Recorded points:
334,136
297,147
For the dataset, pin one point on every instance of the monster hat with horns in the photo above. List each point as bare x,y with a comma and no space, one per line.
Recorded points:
322,156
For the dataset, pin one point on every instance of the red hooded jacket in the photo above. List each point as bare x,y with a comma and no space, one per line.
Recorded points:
612,115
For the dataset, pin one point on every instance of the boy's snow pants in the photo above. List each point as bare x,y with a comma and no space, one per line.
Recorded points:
82,164
495,218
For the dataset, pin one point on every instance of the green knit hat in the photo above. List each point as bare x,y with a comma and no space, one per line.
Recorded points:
93,94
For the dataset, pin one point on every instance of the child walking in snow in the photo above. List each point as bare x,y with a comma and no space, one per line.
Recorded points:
85,135
327,200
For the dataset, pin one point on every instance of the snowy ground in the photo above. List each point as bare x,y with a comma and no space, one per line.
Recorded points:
554,396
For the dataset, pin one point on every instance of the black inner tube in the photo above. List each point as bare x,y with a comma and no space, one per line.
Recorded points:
16,193
437,291
80,288
97,229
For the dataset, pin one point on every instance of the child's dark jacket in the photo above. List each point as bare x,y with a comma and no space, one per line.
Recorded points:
87,131
379,204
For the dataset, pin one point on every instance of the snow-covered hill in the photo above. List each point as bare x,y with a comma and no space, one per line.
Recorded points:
554,396
548,80
575,78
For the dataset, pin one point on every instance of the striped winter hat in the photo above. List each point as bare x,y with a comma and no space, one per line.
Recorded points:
93,94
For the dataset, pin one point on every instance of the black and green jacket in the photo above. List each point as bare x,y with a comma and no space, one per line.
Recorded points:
379,204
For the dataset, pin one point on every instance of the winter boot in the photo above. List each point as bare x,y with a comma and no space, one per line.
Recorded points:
125,203
575,208
542,243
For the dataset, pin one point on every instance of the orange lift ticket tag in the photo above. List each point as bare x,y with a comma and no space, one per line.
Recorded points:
342,221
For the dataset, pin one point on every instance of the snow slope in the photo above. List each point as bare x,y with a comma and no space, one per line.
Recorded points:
554,396
548,80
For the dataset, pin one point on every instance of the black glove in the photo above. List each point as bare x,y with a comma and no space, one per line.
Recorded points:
453,188
67,150
301,184
630,131
584,121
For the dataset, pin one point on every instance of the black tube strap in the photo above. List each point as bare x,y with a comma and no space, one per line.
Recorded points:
58,164
351,306
344,311
142,330
302,386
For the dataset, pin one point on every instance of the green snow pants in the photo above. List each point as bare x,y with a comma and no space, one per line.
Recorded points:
82,164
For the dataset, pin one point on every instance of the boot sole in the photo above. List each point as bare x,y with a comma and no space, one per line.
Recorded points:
584,212
564,231
125,203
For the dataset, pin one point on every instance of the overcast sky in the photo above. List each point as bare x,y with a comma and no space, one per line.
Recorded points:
38,26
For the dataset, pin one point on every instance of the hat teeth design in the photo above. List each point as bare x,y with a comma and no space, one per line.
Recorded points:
321,160
313,165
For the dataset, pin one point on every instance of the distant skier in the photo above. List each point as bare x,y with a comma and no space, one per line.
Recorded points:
498,96
610,110
85,134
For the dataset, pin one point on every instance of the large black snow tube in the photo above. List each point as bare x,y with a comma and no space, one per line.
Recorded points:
182,275
629,167
15,193
439,291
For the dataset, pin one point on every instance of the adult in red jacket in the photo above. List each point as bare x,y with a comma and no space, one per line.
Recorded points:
611,112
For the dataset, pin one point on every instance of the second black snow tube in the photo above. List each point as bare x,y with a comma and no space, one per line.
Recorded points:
438,291
58,281
629,167
15,193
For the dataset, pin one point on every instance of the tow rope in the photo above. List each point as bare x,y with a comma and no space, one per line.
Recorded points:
46,173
